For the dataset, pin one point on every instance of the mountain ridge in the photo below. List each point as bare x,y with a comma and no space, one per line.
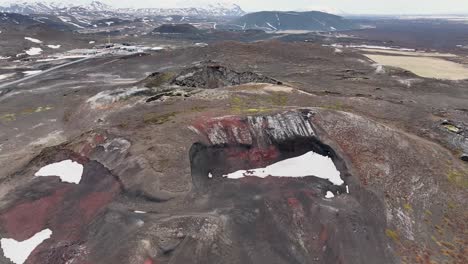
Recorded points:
293,20
40,7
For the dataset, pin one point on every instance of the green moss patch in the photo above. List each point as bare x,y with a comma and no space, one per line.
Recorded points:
158,119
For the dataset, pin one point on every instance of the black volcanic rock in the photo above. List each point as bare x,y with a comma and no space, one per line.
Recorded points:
212,75
464,157
176,29
157,78
313,20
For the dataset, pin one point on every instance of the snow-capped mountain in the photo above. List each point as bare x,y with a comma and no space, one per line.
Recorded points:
43,7
98,6
209,11
28,8
74,16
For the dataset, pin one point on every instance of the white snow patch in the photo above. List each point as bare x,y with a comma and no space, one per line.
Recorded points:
64,57
68,20
373,47
34,51
18,252
379,47
408,82
273,27
92,42
4,58
210,175
139,212
183,77
6,76
33,40
28,73
309,164
38,125
64,19
67,170
54,46
379,69
335,45
329,195
108,97
54,138
157,48
320,22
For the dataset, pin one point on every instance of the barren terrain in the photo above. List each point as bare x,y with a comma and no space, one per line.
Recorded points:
156,129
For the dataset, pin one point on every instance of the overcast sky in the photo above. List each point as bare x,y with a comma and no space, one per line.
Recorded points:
347,6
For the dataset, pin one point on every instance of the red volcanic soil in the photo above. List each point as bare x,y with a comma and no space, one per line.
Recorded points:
67,211
256,157
28,218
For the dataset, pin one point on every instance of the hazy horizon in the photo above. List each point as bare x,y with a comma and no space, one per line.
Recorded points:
377,7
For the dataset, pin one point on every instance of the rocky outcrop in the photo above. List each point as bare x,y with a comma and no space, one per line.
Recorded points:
455,135
206,75
211,75
255,130
157,79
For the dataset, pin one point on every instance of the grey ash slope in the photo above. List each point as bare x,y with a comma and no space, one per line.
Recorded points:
313,20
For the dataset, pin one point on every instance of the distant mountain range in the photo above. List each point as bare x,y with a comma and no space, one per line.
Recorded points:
52,8
41,7
275,21
96,14
212,10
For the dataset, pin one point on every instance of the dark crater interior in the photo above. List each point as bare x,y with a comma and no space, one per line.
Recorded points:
220,160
